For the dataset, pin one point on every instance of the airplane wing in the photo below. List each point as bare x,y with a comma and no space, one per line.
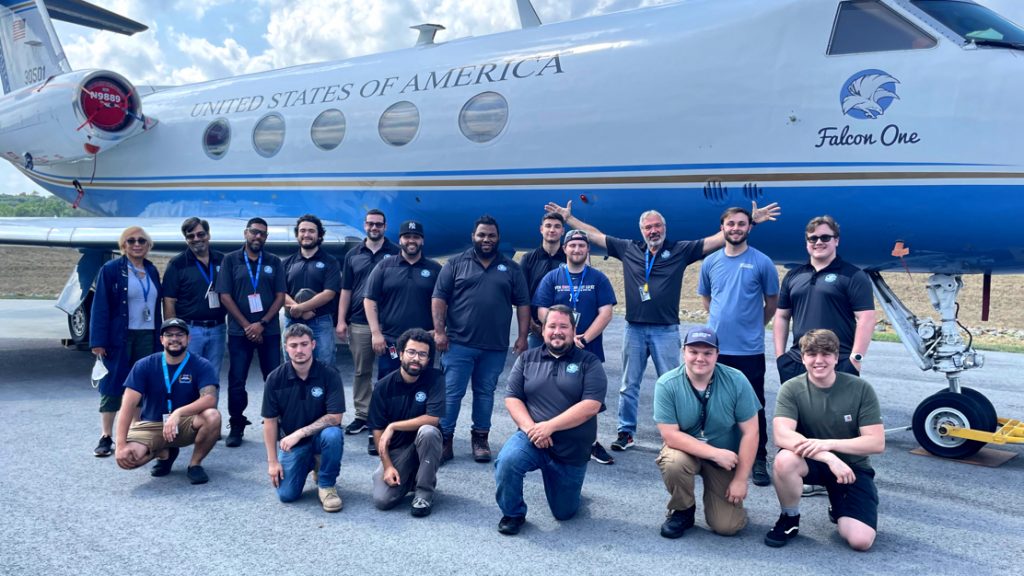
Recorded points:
99,233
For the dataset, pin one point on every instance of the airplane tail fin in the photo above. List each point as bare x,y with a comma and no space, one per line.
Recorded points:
30,51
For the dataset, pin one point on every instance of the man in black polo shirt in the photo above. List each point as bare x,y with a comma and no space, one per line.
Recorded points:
405,411
352,322
251,287
537,263
303,403
397,296
312,280
825,293
176,396
554,394
471,308
652,271
190,293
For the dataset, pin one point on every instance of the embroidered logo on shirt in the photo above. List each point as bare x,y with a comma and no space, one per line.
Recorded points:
746,266
185,379
665,254
317,391
268,270
425,273
502,268
572,368
421,396
319,264
847,418
830,278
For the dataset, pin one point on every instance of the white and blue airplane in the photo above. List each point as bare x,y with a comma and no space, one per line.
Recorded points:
898,117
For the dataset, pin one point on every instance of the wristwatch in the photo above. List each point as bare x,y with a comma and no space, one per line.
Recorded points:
263,322
857,357
583,340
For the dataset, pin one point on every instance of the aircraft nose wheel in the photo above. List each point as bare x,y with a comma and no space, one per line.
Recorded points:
944,409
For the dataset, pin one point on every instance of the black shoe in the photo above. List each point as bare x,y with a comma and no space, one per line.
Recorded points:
600,455
832,516
625,440
420,507
356,426
163,467
787,528
447,449
234,439
371,448
197,475
511,525
105,447
678,522
761,475
481,448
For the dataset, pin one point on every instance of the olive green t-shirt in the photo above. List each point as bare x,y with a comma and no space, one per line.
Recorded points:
837,412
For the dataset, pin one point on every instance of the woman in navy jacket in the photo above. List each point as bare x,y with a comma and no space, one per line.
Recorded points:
124,324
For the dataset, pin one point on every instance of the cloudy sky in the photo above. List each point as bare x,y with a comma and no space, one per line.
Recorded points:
194,40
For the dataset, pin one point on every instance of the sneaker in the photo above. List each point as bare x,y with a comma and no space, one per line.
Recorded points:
330,499
447,449
600,455
481,449
371,448
814,490
163,467
105,447
625,440
234,439
678,522
197,475
511,525
356,426
420,507
761,475
787,528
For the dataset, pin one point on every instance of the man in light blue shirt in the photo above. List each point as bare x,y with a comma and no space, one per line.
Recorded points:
740,288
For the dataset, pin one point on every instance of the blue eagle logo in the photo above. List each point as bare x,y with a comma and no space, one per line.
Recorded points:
320,265
268,270
317,391
502,268
425,273
421,396
572,368
830,278
868,94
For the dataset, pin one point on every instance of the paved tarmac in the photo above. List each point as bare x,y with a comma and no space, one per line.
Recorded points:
67,512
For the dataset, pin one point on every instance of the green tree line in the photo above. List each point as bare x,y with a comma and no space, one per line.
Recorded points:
35,204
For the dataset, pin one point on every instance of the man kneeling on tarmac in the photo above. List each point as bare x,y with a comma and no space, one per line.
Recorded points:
826,425
178,397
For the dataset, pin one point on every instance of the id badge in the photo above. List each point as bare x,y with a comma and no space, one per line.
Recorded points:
146,315
576,318
255,304
212,298
644,295
393,352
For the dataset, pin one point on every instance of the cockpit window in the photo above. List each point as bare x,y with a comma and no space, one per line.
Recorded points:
973,22
870,26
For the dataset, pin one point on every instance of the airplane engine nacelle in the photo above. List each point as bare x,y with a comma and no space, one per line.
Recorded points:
80,114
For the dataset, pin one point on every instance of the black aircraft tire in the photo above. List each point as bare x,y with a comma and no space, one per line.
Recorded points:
953,409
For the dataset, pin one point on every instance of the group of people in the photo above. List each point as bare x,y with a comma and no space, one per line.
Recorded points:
399,311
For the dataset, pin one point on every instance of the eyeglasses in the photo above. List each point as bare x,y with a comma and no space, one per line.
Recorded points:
825,238
416,354
197,236
257,232
174,335
375,224
134,241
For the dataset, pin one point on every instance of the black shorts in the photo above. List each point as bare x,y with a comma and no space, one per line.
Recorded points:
858,500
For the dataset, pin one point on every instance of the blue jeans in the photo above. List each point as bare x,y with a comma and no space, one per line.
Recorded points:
643,341
240,353
209,343
460,364
329,443
323,333
385,363
563,483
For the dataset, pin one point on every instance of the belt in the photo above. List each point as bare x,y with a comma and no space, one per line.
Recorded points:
204,323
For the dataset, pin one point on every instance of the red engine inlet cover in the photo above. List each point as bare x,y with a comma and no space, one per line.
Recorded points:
106,105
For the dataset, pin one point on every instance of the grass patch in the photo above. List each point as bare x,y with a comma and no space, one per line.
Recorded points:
990,343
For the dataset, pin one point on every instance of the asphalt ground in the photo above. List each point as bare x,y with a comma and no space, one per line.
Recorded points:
66,512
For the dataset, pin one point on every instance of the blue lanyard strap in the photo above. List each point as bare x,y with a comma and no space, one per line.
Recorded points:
649,263
254,278
145,287
208,277
168,380
574,291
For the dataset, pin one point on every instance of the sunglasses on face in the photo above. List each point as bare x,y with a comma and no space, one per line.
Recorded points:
375,224
134,241
197,236
257,232
825,238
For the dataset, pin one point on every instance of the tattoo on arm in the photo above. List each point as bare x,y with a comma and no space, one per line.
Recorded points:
320,423
208,391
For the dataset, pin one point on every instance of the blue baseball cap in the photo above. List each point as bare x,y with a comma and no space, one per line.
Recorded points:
701,335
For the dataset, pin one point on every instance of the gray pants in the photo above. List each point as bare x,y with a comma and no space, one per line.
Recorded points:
361,346
417,465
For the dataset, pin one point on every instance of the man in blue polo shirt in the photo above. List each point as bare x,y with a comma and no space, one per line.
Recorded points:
472,309
740,289
312,280
175,393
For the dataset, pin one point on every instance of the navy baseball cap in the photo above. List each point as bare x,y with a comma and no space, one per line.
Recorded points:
174,323
701,335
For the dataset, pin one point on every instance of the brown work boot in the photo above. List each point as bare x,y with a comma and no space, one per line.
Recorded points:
330,499
447,451
481,449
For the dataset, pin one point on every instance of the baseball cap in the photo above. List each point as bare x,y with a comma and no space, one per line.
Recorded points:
174,323
575,235
701,335
411,227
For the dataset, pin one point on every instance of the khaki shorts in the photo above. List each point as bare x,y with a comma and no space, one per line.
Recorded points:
151,434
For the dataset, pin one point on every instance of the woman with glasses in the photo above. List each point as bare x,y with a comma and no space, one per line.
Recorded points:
123,323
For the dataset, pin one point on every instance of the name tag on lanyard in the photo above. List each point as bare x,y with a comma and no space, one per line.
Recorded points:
255,302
